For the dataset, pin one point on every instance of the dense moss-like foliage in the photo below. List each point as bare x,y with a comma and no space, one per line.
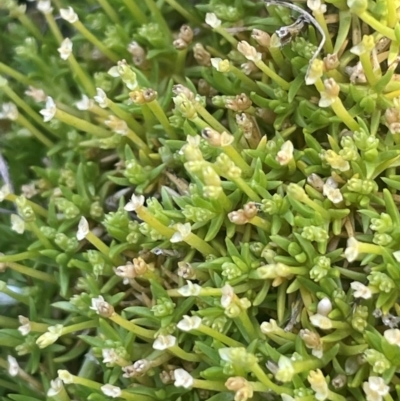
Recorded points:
200,201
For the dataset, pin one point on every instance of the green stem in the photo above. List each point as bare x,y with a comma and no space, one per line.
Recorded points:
236,157
8,322
272,74
30,26
5,69
138,141
92,39
28,271
157,110
188,13
391,9
78,327
23,299
365,59
209,385
54,27
246,189
85,80
36,208
202,246
180,353
264,379
261,223
244,78
105,5
34,131
36,230
19,256
126,324
148,218
378,26
344,115
319,16
219,336
209,119
24,106
81,125
124,115
226,35
136,12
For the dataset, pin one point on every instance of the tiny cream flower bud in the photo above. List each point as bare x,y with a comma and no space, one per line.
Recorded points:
331,62
190,289
220,65
65,49
351,252
189,323
50,337
324,306
186,33
135,203
375,388
101,98
25,325
238,217
316,6
69,15
101,307
179,44
212,20
228,296
44,6
8,111
13,367
262,38
360,290
243,389
65,376
392,336
138,369
164,342
117,125
83,229
249,51
37,95
318,384
201,55
315,72
85,103
4,191
17,224
330,94
269,327
183,231
313,341
111,391
183,378
56,386
315,181
285,155
49,111
331,191
250,210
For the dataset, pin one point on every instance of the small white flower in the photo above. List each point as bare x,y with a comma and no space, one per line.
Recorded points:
227,296
269,327
375,388
65,376
212,20
134,203
85,103
117,125
220,65
318,384
331,191
360,290
164,342
8,111
65,49
315,72
50,337
285,155
68,14
111,391
183,231
189,323
324,307
351,252
316,6
56,386
49,111
13,367
285,370
97,303
109,355
4,191
125,72
249,51
36,94
17,224
83,229
44,6
392,336
320,319
190,289
183,378
29,190
25,325
101,98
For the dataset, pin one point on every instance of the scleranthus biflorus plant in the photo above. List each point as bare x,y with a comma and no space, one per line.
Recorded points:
200,200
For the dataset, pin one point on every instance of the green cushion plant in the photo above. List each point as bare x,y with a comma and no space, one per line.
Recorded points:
200,200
